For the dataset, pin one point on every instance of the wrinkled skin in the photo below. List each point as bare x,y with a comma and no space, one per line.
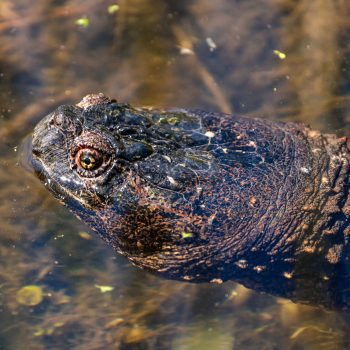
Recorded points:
199,197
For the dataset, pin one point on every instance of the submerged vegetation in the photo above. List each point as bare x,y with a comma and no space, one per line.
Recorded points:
61,287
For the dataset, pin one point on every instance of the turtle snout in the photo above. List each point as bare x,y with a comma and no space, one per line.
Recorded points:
47,136
66,119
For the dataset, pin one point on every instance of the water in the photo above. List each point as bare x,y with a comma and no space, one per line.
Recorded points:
276,59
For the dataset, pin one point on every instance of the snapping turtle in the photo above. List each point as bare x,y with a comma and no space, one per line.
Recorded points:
199,196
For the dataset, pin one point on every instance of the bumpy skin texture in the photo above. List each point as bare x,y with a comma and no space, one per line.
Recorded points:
199,196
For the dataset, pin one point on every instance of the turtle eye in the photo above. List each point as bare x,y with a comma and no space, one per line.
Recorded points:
91,155
89,159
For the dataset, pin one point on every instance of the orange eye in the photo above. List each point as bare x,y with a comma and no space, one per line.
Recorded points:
89,159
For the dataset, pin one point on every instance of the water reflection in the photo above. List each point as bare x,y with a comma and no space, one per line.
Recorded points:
154,53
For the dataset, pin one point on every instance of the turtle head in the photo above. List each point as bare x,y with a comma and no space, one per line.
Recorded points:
128,173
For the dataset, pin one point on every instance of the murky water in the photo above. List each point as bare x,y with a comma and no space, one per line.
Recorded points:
276,59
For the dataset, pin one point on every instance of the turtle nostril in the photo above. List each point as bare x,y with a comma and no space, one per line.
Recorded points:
66,120
60,120
36,151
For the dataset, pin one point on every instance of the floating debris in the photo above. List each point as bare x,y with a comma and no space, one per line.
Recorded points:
186,235
104,289
114,323
210,42
112,9
85,235
39,332
186,51
30,295
209,134
281,55
82,22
